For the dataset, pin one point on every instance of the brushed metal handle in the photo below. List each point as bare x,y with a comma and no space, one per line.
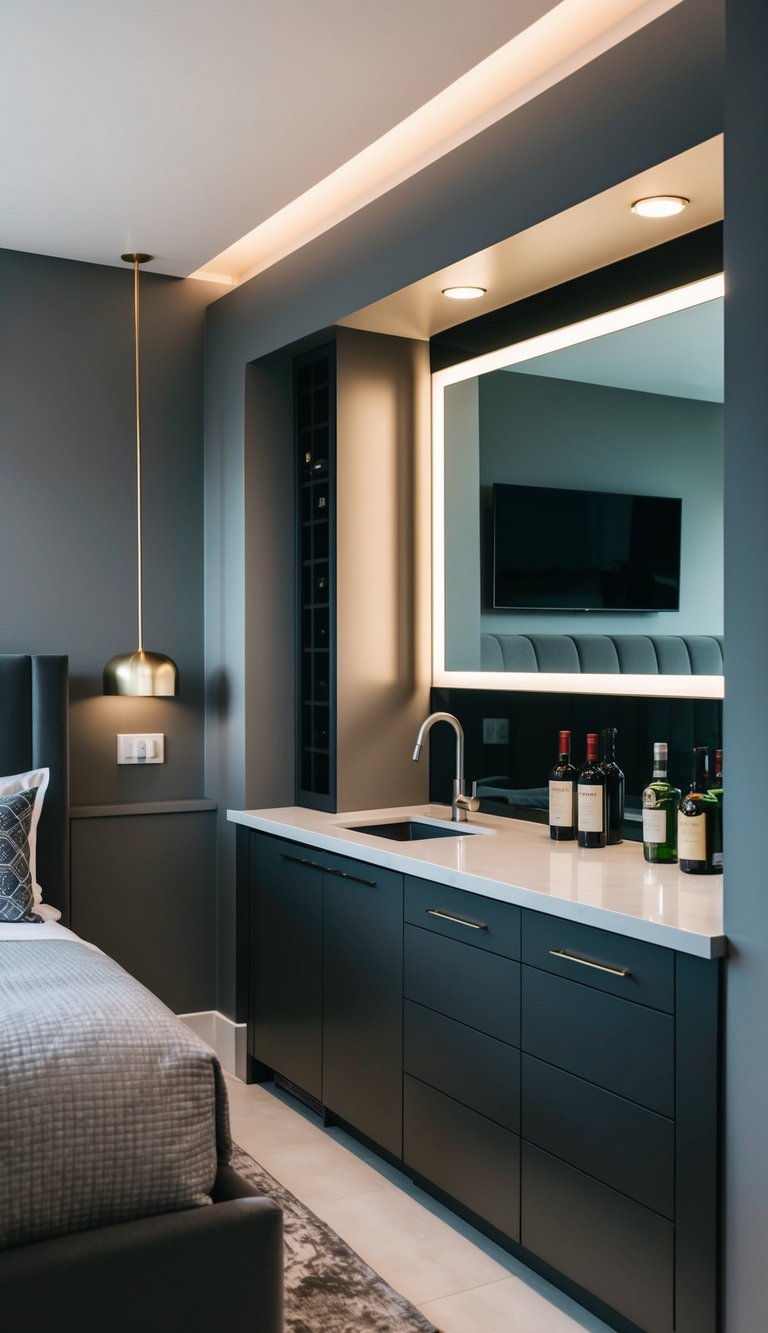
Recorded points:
303,861
327,870
587,962
357,879
458,920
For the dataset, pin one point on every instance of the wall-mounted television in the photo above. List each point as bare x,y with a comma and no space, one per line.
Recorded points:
569,550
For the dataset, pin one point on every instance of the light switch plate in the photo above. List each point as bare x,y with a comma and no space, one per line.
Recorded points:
495,731
141,748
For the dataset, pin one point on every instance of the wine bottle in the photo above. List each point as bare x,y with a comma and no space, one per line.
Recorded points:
590,790
697,820
716,790
660,805
562,793
614,787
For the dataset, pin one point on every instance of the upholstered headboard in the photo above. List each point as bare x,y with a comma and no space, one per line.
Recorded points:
606,654
34,733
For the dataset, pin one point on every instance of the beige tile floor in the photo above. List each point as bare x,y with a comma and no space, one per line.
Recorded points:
459,1279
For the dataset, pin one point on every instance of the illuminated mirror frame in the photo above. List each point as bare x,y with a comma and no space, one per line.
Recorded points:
639,312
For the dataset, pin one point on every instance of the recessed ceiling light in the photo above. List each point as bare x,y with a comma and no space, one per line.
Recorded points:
464,293
660,205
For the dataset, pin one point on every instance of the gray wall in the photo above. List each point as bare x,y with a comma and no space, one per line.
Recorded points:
746,703
67,537
544,432
67,502
654,96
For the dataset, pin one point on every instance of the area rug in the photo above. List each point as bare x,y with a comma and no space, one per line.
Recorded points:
328,1287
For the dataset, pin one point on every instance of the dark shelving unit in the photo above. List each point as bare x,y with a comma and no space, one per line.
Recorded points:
315,444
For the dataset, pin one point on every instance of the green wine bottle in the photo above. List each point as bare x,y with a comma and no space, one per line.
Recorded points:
660,805
697,823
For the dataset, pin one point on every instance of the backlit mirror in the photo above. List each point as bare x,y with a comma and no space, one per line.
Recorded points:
628,402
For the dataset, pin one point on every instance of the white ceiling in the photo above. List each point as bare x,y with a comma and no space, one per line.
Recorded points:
178,126
596,232
175,126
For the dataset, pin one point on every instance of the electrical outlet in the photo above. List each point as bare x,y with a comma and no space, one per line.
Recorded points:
141,748
495,731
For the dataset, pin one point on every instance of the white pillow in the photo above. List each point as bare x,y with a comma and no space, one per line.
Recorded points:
47,912
37,777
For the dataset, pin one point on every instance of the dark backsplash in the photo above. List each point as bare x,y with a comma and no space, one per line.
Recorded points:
534,722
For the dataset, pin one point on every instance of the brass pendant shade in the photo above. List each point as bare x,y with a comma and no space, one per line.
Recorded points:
139,673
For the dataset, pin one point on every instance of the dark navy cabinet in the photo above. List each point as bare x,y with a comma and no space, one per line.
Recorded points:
461,1106
285,1022
363,999
327,983
556,1083
601,1060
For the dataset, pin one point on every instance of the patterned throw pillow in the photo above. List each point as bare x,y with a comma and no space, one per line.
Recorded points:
16,887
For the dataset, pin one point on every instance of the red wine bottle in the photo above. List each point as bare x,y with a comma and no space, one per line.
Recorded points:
698,821
591,798
562,793
614,787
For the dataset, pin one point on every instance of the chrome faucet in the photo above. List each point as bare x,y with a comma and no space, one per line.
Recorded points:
461,803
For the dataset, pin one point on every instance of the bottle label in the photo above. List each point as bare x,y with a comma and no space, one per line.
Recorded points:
654,825
692,837
590,808
561,804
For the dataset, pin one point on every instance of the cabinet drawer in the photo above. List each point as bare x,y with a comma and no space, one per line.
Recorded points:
469,1157
615,1044
468,917
617,1250
617,1142
637,971
470,985
479,1071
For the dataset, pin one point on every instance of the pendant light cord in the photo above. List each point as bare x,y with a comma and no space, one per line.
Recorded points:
138,446
139,673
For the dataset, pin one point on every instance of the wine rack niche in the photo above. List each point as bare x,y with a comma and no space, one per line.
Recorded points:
315,426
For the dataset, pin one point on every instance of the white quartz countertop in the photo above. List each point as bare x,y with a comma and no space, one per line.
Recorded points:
515,861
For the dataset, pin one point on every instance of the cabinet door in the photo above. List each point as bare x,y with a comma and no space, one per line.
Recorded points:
363,1006
287,933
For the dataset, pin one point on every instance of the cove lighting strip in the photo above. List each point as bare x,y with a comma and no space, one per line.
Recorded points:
639,312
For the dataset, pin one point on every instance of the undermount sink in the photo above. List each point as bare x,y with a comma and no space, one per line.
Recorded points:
413,830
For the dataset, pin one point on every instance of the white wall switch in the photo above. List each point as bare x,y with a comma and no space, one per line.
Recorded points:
141,748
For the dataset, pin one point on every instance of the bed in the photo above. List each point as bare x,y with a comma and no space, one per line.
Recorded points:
118,1207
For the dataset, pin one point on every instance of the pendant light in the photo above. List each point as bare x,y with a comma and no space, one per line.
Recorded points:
140,672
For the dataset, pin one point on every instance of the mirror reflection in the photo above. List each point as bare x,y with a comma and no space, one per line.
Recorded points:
634,412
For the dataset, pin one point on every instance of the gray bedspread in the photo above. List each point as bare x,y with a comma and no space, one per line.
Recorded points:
110,1107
